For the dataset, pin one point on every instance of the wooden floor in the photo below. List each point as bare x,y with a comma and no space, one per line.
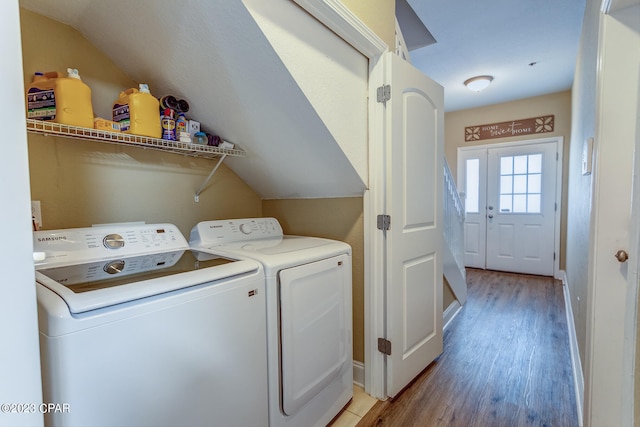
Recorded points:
506,362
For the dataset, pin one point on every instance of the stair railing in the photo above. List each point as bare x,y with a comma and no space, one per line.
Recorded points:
454,217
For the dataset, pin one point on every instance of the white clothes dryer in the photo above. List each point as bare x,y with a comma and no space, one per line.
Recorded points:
138,330
309,315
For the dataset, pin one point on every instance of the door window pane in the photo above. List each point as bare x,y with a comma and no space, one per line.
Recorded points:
533,202
506,202
534,183
521,183
506,184
520,164
472,186
535,163
506,165
520,203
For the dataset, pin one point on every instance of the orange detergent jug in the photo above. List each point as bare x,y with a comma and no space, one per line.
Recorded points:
138,112
66,100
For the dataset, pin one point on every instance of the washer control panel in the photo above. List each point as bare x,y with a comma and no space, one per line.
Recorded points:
211,233
86,244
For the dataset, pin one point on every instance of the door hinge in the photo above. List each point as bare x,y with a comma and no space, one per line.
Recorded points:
557,156
554,256
384,346
556,207
384,222
384,93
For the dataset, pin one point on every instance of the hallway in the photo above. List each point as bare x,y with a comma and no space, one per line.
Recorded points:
506,362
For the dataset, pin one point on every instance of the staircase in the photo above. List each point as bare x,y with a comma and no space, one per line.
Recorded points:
453,247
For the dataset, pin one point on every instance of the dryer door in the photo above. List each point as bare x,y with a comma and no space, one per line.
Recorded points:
315,328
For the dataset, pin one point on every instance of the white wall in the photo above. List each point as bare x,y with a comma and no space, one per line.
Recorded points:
235,82
330,72
20,356
604,106
579,197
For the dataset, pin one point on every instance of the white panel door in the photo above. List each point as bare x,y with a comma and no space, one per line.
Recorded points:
521,208
472,178
609,389
414,150
315,331
510,203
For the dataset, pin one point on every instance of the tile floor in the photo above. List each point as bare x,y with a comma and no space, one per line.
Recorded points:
359,406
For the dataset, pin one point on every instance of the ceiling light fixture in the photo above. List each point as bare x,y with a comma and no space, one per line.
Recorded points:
478,83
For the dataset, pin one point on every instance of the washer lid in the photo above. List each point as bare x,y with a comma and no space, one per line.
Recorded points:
283,245
275,254
104,283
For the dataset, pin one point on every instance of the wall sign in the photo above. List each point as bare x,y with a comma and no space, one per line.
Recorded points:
530,126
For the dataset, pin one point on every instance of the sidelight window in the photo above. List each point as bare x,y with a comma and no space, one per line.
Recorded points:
472,186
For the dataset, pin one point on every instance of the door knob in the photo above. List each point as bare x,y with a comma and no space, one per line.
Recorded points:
490,216
490,208
622,255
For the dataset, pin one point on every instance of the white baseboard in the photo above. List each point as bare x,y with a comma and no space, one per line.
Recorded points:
578,377
358,373
451,311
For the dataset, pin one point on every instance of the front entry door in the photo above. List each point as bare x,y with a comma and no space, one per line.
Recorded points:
510,195
521,204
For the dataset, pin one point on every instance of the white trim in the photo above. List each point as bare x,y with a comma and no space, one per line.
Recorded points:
20,362
605,6
559,140
339,19
633,288
558,224
450,313
576,364
358,373
374,204
514,143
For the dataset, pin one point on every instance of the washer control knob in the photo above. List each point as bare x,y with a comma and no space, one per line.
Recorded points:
113,241
245,228
114,267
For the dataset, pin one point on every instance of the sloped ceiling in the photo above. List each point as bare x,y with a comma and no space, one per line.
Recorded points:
213,54
415,34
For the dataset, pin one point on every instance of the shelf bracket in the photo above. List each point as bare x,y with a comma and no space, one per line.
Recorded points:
206,181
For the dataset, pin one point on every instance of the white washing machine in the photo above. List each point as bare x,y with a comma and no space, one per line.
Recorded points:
138,330
309,320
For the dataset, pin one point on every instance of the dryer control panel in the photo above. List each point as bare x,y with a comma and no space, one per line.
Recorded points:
211,233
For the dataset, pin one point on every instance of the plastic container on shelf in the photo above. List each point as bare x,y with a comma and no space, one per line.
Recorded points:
102,124
200,138
168,125
65,100
181,125
137,112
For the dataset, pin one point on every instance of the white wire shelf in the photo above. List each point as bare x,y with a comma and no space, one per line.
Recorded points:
194,150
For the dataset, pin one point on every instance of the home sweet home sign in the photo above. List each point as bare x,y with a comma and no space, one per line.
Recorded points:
534,125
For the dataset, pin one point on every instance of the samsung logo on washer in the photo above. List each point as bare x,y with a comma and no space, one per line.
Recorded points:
51,238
